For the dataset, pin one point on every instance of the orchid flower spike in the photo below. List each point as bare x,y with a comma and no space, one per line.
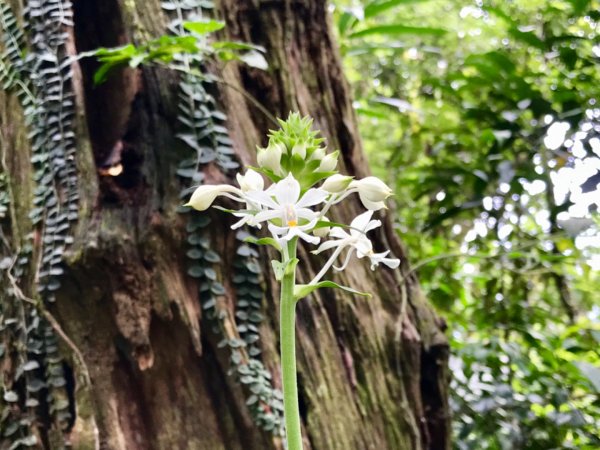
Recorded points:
283,192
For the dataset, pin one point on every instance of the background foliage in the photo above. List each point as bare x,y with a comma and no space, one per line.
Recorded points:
483,116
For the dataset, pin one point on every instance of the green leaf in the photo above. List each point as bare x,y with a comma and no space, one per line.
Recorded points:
368,112
347,20
30,365
302,290
325,224
591,372
308,180
204,27
29,441
110,58
101,74
280,269
234,45
395,30
11,396
528,37
376,8
263,241
212,256
195,271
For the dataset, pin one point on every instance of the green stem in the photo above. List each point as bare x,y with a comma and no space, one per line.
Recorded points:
288,354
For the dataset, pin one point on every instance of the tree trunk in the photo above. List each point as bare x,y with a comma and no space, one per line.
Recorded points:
158,350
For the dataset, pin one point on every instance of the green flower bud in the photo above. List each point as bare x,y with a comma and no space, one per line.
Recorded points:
329,162
318,154
270,157
336,183
300,150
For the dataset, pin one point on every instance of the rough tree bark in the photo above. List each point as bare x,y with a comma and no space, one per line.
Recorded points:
372,372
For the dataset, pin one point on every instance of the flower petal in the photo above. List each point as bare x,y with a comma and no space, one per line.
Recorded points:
363,247
278,230
372,225
392,263
346,261
262,198
305,213
380,258
267,215
287,191
361,221
244,220
327,245
370,205
338,232
312,197
307,237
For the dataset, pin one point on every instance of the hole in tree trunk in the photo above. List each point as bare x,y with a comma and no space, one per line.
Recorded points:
111,104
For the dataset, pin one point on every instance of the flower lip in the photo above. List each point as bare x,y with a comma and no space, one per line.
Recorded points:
291,218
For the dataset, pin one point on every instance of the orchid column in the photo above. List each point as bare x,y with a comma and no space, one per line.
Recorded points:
304,185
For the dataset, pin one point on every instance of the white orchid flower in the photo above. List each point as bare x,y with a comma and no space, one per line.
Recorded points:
318,154
372,192
336,183
283,203
357,241
294,210
372,206
205,195
381,258
329,162
251,181
270,157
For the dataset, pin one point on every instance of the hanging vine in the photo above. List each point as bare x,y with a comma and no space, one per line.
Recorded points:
11,58
35,66
56,195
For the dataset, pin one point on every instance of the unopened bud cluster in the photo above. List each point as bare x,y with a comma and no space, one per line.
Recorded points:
295,149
